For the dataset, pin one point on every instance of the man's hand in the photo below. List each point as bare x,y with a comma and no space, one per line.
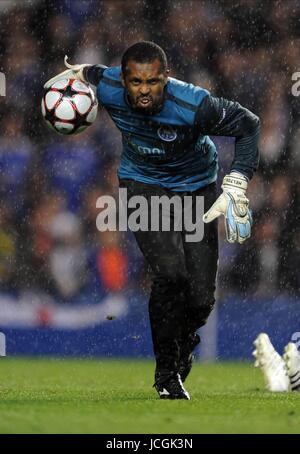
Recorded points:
233,204
74,72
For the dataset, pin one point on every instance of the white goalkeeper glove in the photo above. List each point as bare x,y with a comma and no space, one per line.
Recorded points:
74,72
233,205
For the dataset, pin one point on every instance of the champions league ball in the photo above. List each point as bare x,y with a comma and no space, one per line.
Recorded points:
69,106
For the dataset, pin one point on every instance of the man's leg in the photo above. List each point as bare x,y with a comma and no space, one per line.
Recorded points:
164,253
201,260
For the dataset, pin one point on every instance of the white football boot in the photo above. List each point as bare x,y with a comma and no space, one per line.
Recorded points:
291,358
271,364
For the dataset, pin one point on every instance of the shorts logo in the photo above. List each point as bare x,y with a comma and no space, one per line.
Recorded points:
167,133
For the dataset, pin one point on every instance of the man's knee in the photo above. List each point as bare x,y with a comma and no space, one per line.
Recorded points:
204,312
200,308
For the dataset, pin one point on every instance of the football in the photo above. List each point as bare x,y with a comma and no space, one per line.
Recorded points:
69,106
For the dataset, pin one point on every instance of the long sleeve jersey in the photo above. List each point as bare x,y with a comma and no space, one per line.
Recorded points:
172,148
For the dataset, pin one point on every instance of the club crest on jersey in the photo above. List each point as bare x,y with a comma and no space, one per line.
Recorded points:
167,133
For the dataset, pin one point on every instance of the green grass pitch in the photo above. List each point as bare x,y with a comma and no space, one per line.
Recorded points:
113,397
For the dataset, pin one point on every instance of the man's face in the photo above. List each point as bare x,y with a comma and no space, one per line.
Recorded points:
145,84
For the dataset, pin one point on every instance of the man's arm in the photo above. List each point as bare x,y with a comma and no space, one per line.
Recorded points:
93,74
83,72
220,117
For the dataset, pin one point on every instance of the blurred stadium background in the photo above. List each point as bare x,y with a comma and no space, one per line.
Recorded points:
65,288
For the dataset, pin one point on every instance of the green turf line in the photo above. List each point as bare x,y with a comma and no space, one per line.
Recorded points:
81,396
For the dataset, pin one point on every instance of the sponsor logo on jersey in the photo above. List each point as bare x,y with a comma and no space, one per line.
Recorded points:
166,133
150,151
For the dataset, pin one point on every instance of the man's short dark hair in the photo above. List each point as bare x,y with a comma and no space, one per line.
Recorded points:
144,52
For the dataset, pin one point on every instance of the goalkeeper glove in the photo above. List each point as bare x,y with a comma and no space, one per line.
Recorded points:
74,72
233,205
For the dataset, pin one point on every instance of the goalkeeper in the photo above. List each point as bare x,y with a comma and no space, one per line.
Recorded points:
165,125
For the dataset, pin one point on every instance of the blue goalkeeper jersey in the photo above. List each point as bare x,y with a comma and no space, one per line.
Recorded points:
171,148
165,148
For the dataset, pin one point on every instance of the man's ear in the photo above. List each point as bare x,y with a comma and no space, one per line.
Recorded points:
166,75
